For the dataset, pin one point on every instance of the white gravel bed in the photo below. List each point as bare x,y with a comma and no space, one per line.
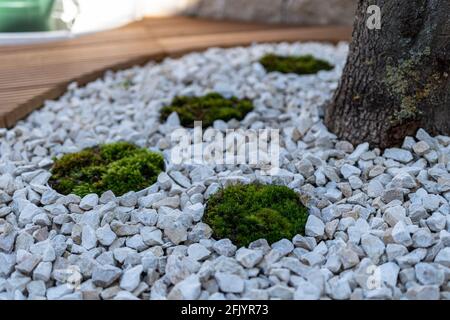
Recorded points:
379,221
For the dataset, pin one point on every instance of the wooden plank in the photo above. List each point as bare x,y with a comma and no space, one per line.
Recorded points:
148,28
177,45
31,74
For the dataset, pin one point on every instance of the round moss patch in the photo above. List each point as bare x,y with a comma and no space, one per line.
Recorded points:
245,213
207,108
302,65
119,167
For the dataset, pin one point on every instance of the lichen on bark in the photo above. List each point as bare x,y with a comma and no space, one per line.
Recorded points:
399,80
408,84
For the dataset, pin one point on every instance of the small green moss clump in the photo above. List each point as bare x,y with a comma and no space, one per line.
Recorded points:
306,64
245,213
119,167
207,108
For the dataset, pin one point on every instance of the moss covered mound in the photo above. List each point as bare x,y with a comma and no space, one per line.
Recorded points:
207,108
306,64
119,167
245,213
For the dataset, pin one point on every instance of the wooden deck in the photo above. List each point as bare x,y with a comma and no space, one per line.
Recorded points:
33,73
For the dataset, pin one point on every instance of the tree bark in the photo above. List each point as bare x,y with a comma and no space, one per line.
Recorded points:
397,79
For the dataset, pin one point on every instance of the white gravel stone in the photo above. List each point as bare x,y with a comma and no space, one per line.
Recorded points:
27,264
397,154
249,258
349,258
436,222
348,170
28,213
283,246
423,293
314,227
395,214
373,246
181,179
341,290
43,271
44,250
392,194
359,150
401,235
188,289
346,147
36,288
224,247
104,276
164,181
200,173
422,238
131,278
89,201
404,180
136,242
55,293
355,182
152,236
129,199
421,147
333,194
389,274
428,274
198,252
196,211
176,233
105,235
375,189
88,237
125,295
376,171
307,291
443,257
229,283
7,262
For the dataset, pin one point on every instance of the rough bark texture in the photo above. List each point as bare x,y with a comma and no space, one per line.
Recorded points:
397,79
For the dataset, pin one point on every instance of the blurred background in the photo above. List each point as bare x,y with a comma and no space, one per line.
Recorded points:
72,17
47,44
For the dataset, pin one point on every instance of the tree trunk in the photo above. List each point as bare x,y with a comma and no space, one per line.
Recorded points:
397,79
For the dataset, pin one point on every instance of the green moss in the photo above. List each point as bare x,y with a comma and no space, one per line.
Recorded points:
405,82
208,108
119,167
245,213
306,64
398,81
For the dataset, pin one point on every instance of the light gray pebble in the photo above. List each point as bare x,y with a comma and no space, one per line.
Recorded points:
249,258
131,278
89,201
229,283
105,235
104,276
314,227
224,247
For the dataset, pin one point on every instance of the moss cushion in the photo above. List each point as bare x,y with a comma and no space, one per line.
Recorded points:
245,213
301,65
207,108
119,167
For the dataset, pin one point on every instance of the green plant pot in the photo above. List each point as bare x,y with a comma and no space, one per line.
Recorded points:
25,15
